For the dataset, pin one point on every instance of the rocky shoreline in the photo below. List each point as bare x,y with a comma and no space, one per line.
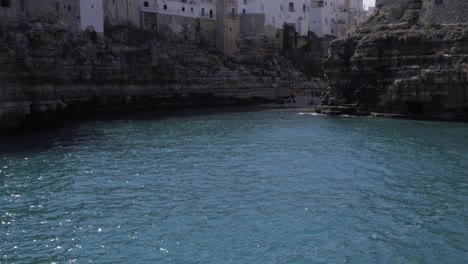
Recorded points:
48,73
396,63
343,110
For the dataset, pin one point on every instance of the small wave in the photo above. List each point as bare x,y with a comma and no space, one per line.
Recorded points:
312,114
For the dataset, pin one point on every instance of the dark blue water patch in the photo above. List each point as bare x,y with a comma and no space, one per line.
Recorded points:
250,187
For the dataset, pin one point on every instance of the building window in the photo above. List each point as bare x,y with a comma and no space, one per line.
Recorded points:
243,11
5,3
211,13
69,8
233,12
203,12
146,4
439,2
291,7
303,8
165,7
183,9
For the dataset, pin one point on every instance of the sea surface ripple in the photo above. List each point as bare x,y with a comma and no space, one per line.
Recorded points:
236,187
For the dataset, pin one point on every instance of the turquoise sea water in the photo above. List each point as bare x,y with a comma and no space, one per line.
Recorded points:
245,187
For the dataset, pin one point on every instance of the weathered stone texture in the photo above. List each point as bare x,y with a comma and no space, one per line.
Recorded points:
421,11
252,24
46,71
65,12
181,29
407,68
448,12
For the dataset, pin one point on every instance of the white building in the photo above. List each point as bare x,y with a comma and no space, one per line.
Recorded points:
92,14
323,17
335,17
186,8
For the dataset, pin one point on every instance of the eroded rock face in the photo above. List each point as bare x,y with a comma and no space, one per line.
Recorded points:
46,71
397,63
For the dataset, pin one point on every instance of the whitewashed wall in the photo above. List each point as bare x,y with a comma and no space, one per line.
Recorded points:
321,17
278,12
333,18
194,9
92,14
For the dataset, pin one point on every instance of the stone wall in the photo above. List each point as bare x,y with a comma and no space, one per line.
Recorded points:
69,14
123,12
389,3
66,12
448,12
252,24
389,11
43,9
174,27
306,53
228,27
30,9
10,12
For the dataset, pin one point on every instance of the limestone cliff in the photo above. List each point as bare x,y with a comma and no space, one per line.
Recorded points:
402,61
46,71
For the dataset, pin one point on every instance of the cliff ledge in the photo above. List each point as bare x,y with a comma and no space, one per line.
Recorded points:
402,62
48,72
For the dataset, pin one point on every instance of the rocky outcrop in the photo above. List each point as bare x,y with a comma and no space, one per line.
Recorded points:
398,63
45,72
307,53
